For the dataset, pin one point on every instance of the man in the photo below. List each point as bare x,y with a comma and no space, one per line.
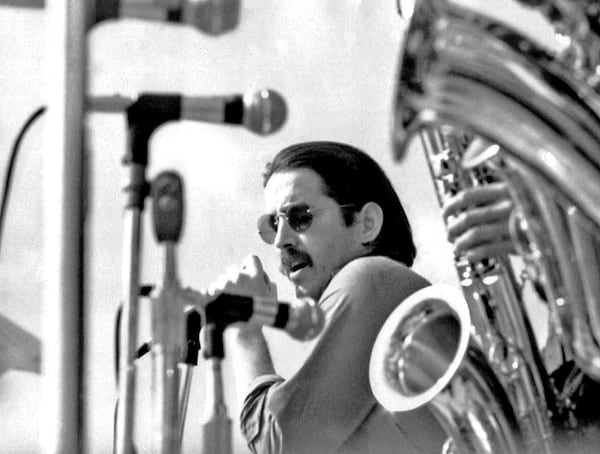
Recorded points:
344,240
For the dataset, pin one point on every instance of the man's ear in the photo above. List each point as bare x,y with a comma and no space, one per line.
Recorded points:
371,219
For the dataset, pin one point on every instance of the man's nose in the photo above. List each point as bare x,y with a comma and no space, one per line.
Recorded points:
285,235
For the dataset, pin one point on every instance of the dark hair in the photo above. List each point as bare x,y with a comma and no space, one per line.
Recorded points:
351,176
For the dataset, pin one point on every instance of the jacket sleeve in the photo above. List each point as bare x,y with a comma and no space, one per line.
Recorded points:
258,426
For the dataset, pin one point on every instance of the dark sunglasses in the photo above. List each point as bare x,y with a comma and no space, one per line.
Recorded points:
298,217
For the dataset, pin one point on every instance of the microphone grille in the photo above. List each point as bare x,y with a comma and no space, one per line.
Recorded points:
167,206
264,112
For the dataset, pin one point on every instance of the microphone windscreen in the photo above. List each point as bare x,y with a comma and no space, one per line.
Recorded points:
264,112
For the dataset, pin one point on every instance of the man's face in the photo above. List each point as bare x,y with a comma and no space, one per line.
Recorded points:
312,257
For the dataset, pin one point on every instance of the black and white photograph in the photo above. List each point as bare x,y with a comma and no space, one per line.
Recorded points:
299,226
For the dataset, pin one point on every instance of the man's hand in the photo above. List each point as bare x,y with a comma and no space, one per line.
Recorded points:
477,221
247,279
248,347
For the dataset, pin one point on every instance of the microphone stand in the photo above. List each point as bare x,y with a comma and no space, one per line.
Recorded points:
167,322
168,316
216,425
192,349
143,117
265,113
128,331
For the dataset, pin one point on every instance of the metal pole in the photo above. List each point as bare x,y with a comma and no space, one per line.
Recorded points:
216,424
168,339
129,330
61,420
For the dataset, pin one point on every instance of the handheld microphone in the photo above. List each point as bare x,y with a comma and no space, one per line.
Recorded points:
262,112
302,320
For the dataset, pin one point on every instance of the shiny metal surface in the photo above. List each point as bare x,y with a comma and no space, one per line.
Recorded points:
538,108
425,355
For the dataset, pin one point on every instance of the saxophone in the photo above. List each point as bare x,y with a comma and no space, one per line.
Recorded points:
501,333
537,112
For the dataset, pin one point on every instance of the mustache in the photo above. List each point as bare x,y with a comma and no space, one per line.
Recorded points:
291,257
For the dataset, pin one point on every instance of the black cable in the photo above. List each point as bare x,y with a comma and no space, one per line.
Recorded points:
11,164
